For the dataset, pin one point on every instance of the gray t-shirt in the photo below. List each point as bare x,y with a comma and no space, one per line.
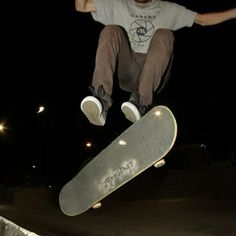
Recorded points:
142,20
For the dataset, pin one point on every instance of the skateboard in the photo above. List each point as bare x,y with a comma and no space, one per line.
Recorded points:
139,147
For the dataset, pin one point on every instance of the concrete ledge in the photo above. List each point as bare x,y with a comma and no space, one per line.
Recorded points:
8,228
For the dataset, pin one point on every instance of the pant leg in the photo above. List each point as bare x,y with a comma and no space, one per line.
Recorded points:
113,50
157,60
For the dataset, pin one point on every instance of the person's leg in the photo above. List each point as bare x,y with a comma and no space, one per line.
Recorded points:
113,47
157,60
114,52
155,68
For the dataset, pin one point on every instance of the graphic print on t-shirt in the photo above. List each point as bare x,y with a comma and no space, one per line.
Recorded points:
140,32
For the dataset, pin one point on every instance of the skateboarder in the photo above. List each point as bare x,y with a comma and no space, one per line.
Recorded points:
137,42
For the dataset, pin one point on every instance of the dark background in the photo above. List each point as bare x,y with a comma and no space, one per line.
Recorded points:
47,58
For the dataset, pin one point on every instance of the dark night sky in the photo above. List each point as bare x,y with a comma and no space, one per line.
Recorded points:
47,57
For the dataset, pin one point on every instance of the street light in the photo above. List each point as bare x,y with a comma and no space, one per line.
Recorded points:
2,128
40,109
88,145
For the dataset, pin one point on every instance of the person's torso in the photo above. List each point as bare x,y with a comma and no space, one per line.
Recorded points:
142,20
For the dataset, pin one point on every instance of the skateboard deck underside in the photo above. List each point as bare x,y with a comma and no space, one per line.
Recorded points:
136,149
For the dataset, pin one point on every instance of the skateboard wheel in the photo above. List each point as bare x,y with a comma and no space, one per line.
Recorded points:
160,163
97,205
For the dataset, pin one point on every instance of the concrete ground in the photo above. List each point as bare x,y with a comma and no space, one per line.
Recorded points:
198,202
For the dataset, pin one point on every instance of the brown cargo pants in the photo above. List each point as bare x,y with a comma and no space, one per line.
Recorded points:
138,72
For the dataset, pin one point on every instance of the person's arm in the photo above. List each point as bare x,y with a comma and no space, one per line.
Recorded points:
215,17
85,5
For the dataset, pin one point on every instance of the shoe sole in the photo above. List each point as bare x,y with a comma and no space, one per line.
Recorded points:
92,109
130,111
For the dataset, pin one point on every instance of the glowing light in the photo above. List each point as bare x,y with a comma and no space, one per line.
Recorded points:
158,113
88,144
2,128
41,109
122,142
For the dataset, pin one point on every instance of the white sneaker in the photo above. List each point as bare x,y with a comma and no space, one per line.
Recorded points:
160,163
93,110
131,111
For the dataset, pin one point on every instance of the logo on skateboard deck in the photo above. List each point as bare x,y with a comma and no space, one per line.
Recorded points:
113,177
